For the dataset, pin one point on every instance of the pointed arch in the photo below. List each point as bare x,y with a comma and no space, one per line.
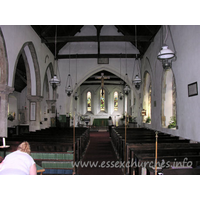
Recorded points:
32,69
3,61
147,88
47,77
169,117
103,69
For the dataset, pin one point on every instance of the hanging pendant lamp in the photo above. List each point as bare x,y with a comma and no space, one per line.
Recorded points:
54,82
68,88
76,94
126,88
137,80
166,55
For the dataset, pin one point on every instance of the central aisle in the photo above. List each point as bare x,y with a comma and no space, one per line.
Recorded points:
101,155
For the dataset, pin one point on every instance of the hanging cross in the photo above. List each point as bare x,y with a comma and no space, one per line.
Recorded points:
102,77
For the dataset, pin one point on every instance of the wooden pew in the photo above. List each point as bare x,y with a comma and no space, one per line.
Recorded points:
138,136
56,141
163,148
143,160
192,171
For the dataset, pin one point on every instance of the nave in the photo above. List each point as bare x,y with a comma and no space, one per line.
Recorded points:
100,153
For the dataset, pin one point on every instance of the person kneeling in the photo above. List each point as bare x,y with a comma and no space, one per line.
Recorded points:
19,162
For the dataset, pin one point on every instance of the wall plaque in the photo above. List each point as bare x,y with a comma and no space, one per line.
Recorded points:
33,110
192,89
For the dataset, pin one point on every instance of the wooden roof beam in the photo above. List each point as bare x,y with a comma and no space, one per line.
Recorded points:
95,39
74,56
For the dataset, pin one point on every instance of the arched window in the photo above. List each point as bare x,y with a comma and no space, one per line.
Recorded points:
115,100
168,100
89,101
147,97
102,100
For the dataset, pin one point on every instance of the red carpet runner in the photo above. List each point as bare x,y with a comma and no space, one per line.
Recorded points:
101,155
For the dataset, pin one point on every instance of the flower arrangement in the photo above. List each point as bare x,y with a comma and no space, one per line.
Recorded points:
11,116
82,117
172,123
71,116
148,120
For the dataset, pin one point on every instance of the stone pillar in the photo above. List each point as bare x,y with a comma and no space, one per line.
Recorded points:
34,112
51,110
4,93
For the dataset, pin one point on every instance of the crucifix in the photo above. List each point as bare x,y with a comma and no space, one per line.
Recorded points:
102,77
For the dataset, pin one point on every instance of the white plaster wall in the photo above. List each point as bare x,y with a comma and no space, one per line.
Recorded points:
186,70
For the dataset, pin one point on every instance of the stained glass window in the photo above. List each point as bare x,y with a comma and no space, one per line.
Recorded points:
116,101
89,105
102,100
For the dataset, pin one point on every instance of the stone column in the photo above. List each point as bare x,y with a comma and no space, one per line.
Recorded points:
50,113
4,93
34,112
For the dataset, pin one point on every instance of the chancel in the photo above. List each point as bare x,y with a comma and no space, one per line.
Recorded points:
63,87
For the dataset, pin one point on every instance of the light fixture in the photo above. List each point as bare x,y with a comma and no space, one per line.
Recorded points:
166,55
54,82
137,80
143,112
126,89
121,95
76,96
68,88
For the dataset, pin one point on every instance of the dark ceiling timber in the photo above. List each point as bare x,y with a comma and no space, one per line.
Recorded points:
66,33
74,56
65,39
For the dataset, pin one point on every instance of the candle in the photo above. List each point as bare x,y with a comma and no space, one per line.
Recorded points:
4,142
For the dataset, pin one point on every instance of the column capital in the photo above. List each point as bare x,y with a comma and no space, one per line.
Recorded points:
51,102
34,98
5,89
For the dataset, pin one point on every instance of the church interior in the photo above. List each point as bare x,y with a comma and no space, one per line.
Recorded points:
61,84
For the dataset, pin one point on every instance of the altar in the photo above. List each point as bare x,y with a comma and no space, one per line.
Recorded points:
100,122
